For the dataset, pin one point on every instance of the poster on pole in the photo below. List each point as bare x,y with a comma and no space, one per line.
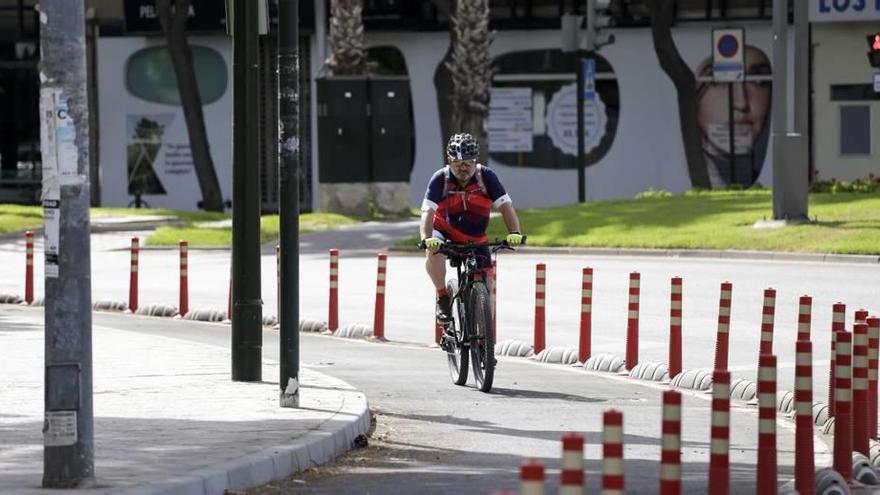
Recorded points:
728,63
510,120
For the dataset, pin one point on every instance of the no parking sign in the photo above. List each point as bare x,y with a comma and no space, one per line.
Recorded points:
727,55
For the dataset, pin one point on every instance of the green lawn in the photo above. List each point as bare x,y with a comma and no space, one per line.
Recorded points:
198,235
845,223
15,218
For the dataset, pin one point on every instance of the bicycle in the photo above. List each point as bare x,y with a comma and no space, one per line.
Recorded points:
471,340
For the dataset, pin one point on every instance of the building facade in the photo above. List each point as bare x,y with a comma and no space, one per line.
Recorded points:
633,135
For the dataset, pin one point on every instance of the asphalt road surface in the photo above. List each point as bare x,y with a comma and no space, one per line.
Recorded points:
434,437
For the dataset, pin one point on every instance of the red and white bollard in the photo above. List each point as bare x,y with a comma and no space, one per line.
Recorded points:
585,341
379,313
805,316
540,300
768,317
531,478
29,267
838,324
721,341
571,480
804,463
184,278
861,316
860,405
842,400
612,453
675,296
632,321
873,363
670,454
767,475
719,453
133,279
333,304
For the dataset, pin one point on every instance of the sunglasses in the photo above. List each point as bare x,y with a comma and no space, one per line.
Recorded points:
463,163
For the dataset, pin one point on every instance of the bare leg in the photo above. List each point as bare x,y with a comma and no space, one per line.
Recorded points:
435,265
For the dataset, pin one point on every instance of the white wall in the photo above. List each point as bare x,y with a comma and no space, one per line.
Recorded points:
840,58
116,105
647,151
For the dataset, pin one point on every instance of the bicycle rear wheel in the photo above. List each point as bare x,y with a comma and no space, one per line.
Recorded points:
482,348
457,356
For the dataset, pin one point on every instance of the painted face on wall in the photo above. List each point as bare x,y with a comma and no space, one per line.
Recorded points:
751,106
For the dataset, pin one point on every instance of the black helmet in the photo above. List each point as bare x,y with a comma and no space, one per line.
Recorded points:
462,147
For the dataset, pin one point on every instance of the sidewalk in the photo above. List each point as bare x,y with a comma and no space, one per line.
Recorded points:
167,416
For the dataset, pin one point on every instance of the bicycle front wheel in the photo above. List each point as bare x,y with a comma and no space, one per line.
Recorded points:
456,355
482,337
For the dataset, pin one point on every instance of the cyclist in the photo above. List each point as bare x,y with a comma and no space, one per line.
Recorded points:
456,207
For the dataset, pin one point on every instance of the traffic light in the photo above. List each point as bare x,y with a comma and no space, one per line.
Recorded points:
874,49
597,18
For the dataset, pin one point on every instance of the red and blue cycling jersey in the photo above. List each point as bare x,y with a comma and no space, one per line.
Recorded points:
461,212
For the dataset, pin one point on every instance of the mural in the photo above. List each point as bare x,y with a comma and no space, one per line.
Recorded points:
750,126
533,113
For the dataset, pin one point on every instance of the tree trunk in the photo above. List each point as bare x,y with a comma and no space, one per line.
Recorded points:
662,16
471,71
173,20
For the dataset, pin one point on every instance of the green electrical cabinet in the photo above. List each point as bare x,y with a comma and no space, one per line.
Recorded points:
343,129
392,133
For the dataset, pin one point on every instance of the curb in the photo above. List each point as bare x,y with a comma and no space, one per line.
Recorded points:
277,462
714,254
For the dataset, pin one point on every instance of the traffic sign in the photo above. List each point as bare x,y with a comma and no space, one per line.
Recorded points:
588,65
728,63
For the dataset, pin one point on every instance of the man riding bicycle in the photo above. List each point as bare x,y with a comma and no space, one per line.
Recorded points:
456,208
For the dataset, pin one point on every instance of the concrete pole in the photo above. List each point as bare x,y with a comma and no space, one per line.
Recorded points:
288,194
801,168
780,107
68,431
790,167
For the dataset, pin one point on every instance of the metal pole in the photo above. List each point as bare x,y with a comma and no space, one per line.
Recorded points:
68,431
730,134
247,337
780,107
288,194
582,195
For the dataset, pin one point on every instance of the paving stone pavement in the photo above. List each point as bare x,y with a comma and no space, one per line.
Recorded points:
167,416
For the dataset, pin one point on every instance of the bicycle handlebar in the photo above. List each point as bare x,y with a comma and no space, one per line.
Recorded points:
455,248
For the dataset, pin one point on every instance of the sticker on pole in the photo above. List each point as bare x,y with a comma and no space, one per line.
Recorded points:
877,83
728,63
59,429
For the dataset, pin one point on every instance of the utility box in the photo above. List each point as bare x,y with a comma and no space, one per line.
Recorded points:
366,143
344,144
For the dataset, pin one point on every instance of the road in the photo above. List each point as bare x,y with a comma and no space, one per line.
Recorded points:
409,297
447,439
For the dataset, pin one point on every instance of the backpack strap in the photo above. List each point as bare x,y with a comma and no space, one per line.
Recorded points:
480,181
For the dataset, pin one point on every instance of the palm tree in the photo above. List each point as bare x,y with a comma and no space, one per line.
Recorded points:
347,54
471,70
